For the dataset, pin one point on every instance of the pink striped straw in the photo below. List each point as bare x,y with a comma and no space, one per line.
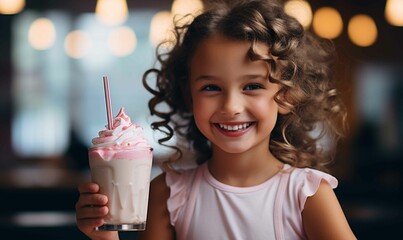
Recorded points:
108,102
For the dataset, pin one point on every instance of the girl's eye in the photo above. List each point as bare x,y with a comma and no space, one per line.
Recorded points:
210,88
253,86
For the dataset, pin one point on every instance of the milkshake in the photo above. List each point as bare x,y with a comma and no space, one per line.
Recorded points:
120,160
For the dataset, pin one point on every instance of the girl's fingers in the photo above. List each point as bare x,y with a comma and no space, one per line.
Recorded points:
89,196
88,187
90,222
90,204
88,225
91,213
93,199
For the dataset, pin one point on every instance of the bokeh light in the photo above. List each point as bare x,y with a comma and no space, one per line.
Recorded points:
301,10
394,12
111,12
42,34
183,7
11,6
362,30
327,23
77,44
122,41
161,27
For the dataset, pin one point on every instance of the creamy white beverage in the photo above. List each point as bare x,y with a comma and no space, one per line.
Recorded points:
120,161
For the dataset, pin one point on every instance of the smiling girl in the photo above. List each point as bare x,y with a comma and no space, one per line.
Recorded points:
246,86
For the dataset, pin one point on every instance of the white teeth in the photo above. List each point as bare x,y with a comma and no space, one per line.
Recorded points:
234,127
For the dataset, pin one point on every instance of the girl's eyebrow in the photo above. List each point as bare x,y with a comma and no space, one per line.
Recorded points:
204,77
255,77
246,77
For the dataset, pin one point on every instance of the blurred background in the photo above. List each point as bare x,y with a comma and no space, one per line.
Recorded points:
53,55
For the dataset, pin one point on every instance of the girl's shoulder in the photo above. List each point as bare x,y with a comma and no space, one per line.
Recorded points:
180,176
309,175
305,182
174,180
158,221
179,183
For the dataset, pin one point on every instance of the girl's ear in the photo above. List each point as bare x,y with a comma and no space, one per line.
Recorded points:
285,106
284,110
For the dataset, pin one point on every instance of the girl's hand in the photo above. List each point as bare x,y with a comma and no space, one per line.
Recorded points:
90,212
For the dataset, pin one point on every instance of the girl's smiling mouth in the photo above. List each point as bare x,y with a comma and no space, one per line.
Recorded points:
234,129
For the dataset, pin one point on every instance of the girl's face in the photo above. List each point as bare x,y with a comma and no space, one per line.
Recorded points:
232,98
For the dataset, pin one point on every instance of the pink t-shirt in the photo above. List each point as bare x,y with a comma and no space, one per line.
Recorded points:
203,208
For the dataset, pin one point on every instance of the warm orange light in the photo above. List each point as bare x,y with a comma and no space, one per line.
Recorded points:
111,12
122,41
362,30
11,6
42,34
301,10
183,7
161,27
77,44
394,12
327,23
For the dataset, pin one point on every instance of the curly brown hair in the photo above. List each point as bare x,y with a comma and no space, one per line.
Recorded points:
300,63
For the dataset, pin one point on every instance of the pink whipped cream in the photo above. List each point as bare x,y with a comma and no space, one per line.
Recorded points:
124,141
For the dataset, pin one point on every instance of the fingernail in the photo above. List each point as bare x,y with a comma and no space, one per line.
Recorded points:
102,199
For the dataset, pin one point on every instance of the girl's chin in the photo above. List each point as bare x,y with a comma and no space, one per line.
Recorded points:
231,148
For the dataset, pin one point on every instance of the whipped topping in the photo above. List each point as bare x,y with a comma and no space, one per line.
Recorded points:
123,134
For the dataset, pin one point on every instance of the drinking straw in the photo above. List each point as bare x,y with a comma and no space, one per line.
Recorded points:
108,101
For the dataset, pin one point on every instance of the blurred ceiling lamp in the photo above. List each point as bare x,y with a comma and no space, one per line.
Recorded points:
42,34
111,12
161,27
394,12
122,41
184,7
77,44
327,23
362,30
11,6
301,10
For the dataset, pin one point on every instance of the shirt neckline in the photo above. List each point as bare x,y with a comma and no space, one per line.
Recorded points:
233,189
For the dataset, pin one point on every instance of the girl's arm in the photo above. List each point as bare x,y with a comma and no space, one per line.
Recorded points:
323,217
158,221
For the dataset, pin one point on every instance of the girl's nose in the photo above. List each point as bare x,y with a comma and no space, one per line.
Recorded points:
232,105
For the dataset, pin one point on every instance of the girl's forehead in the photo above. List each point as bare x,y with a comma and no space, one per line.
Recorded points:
219,46
222,56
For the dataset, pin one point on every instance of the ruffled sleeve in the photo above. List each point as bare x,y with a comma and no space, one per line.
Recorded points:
179,183
305,183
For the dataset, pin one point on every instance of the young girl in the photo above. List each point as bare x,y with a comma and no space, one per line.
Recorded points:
250,90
